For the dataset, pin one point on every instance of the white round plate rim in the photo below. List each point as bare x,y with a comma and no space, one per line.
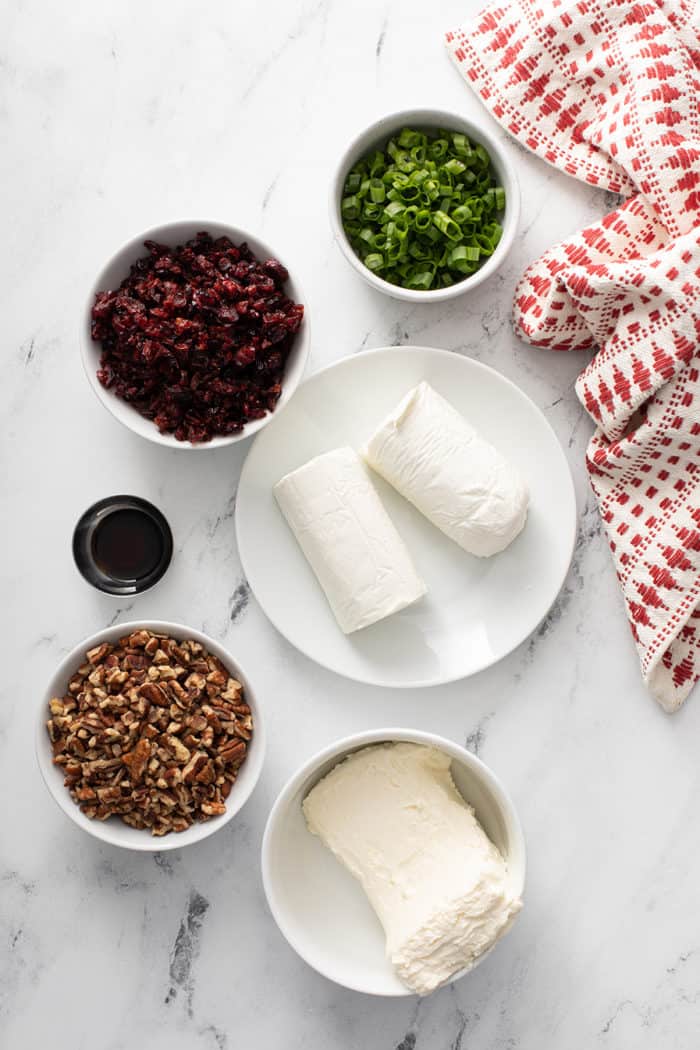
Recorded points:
461,360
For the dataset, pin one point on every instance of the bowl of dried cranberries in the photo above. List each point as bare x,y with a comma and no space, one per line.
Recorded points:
194,334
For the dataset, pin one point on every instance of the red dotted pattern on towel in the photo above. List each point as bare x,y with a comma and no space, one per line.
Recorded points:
608,91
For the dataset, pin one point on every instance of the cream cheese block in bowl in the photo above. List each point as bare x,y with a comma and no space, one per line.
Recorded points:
392,815
423,868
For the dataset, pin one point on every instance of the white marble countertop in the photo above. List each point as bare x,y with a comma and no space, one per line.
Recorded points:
114,117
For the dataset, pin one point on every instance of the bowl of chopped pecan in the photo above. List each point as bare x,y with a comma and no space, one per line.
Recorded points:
149,736
194,333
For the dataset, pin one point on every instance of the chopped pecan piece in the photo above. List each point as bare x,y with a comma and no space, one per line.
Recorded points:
213,809
139,639
233,752
97,655
195,764
178,749
137,760
155,694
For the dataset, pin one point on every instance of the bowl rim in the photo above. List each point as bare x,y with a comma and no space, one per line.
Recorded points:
118,409
517,858
102,829
85,564
427,117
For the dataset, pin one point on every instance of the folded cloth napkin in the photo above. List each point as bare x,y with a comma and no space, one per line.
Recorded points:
608,91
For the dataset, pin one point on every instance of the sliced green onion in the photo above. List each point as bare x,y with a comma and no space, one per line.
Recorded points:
447,225
376,163
438,148
408,138
463,258
461,146
422,212
483,156
461,213
351,206
374,261
377,190
371,211
393,209
455,167
423,279
423,220
409,193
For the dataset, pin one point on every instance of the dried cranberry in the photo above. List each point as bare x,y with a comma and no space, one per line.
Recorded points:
245,355
276,270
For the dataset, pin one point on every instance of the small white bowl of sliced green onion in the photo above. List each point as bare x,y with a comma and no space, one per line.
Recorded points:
425,205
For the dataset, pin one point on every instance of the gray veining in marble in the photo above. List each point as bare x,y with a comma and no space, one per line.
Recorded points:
114,117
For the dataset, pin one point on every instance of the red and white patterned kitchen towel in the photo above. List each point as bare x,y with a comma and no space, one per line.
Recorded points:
609,92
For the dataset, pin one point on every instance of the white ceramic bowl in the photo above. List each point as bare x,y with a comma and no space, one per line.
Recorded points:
320,908
376,135
117,268
114,831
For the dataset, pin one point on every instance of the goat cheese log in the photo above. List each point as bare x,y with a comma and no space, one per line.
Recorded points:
349,540
392,815
440,464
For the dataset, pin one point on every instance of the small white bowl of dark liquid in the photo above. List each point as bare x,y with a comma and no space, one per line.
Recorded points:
122,545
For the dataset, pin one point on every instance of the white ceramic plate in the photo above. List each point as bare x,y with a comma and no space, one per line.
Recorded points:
343,938
476,610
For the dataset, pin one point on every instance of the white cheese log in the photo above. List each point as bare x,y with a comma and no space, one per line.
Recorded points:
349,539
440,464
393,816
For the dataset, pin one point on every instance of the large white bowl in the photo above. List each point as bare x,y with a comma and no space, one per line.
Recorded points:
114,830
117,268
320,908
376,135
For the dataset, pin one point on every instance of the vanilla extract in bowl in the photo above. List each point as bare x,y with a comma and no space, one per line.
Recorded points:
122,545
